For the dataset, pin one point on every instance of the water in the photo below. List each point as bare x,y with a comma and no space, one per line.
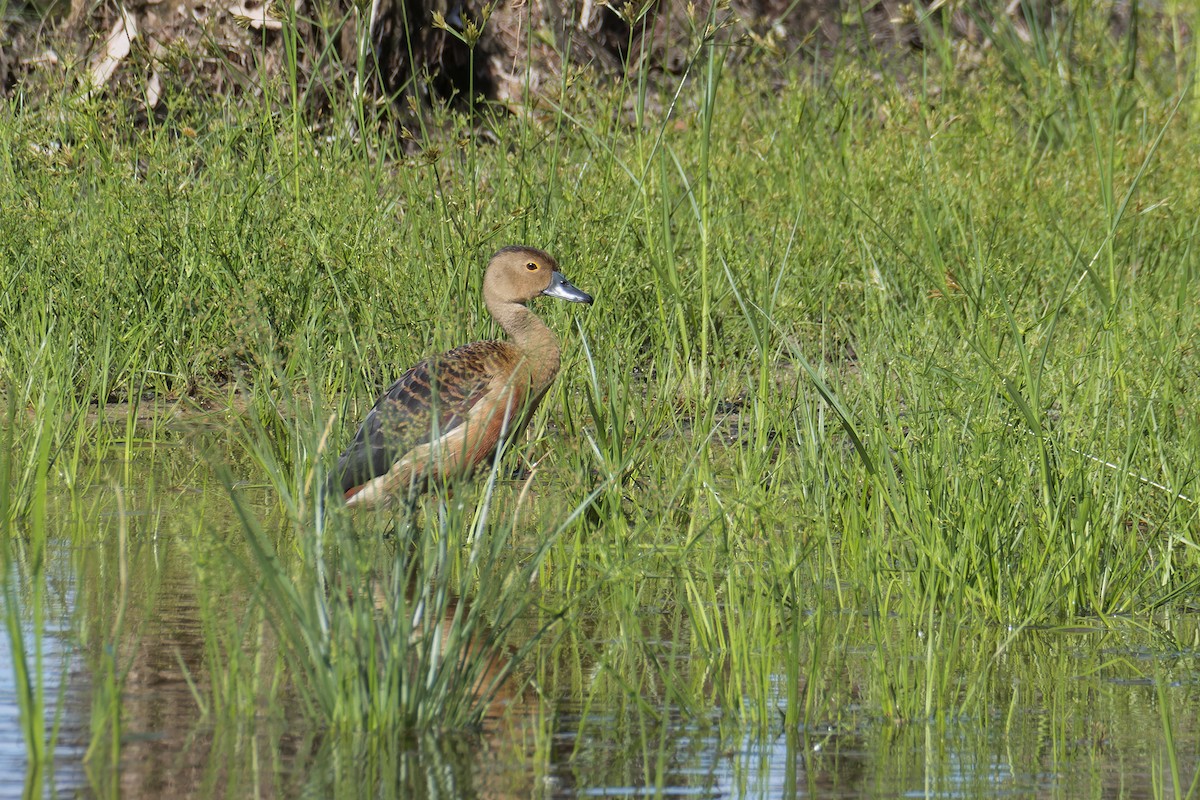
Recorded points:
1069,712
1109,745
64,684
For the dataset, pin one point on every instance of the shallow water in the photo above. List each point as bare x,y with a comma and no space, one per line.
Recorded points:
1069,712
1110,745
65,677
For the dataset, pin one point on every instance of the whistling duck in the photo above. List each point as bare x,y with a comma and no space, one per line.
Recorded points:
448,414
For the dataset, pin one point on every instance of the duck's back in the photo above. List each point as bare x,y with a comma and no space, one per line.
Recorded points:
452,408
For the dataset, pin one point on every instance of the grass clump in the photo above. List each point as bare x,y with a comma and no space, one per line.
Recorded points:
400,621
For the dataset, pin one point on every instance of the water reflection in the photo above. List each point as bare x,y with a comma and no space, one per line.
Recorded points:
63,682
545,744
1068,712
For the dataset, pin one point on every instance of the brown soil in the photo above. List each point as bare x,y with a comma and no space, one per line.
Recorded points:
234,47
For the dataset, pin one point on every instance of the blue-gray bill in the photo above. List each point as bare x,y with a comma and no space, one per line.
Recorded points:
563,289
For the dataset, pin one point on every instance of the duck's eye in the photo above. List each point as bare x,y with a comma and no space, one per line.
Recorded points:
531,266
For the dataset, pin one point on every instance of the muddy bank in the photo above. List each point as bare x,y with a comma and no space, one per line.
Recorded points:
445,49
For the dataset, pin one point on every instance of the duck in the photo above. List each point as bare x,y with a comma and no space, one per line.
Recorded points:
448,415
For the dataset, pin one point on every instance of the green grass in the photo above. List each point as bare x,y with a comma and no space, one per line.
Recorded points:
870,356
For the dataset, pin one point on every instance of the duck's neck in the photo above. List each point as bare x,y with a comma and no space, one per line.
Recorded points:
537,343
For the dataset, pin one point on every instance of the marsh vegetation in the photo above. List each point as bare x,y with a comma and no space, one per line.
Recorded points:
872,470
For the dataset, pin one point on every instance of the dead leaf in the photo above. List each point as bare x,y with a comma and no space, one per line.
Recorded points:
116,48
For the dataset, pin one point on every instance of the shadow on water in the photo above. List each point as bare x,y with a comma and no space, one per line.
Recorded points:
138,630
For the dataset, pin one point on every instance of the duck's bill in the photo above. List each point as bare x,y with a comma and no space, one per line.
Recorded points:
563,289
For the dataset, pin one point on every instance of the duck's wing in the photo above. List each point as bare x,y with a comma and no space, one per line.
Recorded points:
432,399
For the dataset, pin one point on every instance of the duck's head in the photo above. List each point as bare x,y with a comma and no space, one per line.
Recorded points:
517,274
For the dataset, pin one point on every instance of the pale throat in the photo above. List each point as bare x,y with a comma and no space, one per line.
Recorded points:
537,343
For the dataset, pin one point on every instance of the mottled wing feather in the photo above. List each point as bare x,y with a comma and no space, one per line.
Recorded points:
441,390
